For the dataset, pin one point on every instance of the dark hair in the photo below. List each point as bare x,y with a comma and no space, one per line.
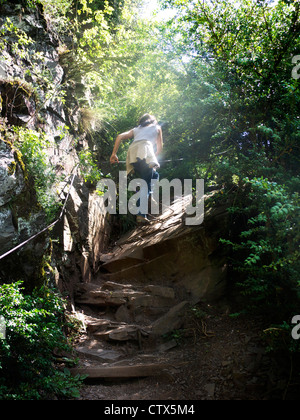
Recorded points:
147,119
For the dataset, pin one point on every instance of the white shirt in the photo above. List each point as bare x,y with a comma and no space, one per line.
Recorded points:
149,133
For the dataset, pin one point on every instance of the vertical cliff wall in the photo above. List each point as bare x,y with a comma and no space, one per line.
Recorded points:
36,98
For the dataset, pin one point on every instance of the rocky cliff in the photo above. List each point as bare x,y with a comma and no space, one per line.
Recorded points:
36,97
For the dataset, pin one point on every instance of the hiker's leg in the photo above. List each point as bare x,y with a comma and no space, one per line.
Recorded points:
153,180
142,171
152,202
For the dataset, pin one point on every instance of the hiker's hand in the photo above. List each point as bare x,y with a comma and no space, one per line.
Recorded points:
114,159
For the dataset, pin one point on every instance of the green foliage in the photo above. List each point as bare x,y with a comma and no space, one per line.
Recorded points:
33,147
11,35
177,335
240,99
34,62
88,167
34,334
267,253
56,12
279,338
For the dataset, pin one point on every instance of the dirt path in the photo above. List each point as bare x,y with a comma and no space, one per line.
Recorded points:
217,358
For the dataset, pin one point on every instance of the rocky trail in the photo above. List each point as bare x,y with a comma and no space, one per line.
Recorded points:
156,325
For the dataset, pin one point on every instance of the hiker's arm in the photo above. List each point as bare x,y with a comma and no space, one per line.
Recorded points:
119,139
159,142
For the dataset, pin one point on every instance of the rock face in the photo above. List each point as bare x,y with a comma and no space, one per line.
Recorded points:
84,235
23,104
33,93
11,176
12,184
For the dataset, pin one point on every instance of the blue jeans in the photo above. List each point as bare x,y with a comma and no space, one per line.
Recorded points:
147,174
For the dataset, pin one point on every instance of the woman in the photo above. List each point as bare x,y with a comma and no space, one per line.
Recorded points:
143,152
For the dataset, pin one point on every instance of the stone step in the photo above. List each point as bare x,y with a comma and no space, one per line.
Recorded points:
99,354
154,290
118,331
122,372
116,295
155,271
92,294
123,333
101,325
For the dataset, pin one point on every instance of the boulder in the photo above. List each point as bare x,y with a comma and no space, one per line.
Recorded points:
11,176
7,230
98,354
123,333
172,320
87,224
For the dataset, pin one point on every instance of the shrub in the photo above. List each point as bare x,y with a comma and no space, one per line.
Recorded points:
34,331
33,146
89,168
266,252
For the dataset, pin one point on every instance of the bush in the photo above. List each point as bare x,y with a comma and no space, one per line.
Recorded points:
34,331
266,252
33,147
89,168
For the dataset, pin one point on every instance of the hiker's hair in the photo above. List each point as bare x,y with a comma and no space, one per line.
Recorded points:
147,119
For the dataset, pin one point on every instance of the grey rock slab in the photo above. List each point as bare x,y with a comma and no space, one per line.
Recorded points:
171,321
99,354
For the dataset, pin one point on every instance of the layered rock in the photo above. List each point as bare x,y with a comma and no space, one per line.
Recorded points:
12,184
33,89
171,253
